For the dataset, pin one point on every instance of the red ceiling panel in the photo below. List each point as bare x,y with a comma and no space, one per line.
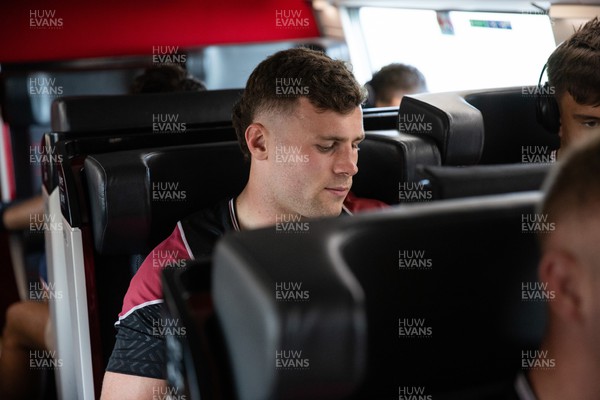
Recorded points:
36,30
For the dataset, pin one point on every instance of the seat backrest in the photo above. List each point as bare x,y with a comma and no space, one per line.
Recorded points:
162,185
511,128
426,296
102,278
454,272
134,199
197,361
380,118
444,182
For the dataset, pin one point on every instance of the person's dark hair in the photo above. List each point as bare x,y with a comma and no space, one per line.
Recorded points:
279,81
394,78
166,78
574,185
573,67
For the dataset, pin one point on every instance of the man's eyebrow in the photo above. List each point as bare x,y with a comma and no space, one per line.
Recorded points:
334,138
585,116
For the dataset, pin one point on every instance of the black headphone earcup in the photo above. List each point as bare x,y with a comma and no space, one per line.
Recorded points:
370,102
547,113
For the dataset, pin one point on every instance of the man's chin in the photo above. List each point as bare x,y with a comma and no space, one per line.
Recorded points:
329,211
332,211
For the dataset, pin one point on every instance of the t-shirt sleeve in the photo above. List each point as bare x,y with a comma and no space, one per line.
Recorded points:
140,347
145,287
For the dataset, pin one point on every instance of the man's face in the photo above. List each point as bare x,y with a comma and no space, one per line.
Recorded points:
585,233
576,236
312,157
576,121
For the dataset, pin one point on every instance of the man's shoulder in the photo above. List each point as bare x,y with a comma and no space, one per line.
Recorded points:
203,228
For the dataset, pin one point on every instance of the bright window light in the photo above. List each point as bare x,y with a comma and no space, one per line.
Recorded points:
477,50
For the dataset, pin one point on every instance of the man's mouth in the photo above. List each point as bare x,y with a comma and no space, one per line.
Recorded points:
338,190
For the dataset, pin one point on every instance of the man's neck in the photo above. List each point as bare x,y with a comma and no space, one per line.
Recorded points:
253,210
574,375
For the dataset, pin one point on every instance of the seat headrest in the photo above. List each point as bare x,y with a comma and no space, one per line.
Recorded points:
478,180
454,125
160,186
441,268
181,109
511,128
388,159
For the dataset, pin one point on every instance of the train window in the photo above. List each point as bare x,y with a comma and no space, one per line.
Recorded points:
459,50
228,67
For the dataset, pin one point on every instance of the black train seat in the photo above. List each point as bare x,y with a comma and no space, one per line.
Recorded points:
420,296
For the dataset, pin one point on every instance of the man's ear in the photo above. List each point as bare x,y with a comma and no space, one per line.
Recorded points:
563,275
256,140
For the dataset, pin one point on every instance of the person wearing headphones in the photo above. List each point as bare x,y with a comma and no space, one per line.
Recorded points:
569,103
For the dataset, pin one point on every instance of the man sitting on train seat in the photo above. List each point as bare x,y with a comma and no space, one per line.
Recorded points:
299,123
393,81
574,81
568,364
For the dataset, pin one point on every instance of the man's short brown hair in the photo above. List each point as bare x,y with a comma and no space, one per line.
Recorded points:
574,66
279,81
395,78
